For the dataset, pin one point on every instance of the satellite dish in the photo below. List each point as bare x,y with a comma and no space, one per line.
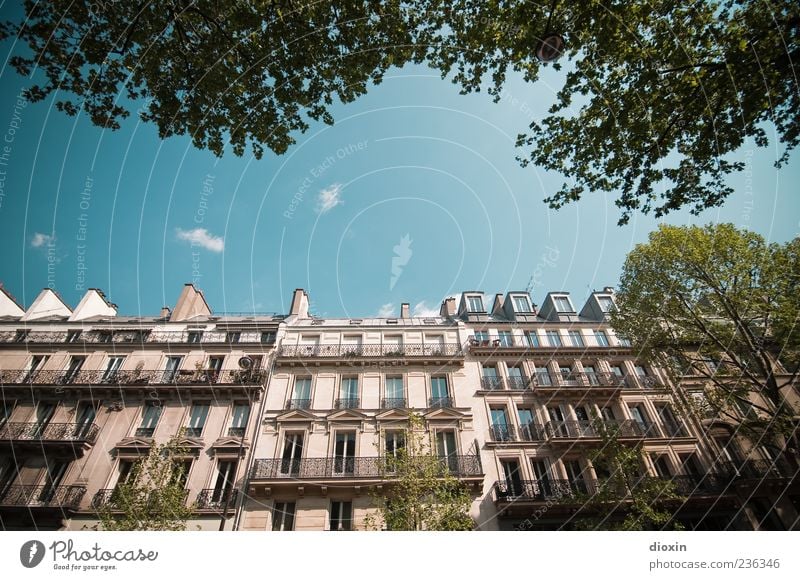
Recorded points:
551,48
245,363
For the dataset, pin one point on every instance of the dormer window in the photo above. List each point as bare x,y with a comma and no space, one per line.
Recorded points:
606,303
563,304
521,304
475,304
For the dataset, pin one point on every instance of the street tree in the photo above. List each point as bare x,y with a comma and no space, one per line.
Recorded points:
723,305
420,492
152,496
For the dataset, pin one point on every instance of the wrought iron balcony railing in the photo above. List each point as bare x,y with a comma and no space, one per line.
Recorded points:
123,336
31,496
145,431
532,432
518,383
393,403
369,350
236,431
104,498
298,404
50,432
350,467
594,429
347,403
440,403
502,433
489,383
757,469
532,490
133,377
216,499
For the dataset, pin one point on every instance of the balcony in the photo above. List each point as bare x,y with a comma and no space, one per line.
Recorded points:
298,404
579,430
236,431
139,336
440,403
347,403
345,351
489,383
394,403
216,499
83,433
463,466
551,490
104,498
43,496
133,377
502,433
578,383
518,383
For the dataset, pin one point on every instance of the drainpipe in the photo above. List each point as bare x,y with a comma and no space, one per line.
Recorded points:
249,464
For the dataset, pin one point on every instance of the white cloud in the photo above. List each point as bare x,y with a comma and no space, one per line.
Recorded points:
386,311
329,198
201,237
422,309
40,240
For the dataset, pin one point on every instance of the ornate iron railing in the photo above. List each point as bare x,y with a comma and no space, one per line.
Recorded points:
64,496
594,429
78,432
393,403
492,383
216,499
440,403
532,432
133,377
104,497
369,350
347,403
298,404
236,431
351,467
502,433
532,490
518,383
122,336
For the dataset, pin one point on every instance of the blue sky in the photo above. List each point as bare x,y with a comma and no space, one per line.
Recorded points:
414,194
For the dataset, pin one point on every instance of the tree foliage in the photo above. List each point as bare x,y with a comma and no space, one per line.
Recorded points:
721,304
625,500
153,496
657,97
420,493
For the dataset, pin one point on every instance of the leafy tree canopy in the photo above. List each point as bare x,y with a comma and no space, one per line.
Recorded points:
657,98
723,304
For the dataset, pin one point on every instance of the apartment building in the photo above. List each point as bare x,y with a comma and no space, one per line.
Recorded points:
286,419
339,399
85,392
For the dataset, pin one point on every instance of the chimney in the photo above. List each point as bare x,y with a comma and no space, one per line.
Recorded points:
164,312
404,311
608,289
448,308
299,306
191,304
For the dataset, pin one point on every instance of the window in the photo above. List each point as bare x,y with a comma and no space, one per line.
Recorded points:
344,451
197,420
75,364
233,337
124,470
670,423
267,337
292,454
512,477
180,472
446,449
348,393
195,336
112,367
84,419
527,426
481,336
55,473
35,365
553,338
606,303
521,304
395,394
104,336
567,376
500,427
283,516
601,338
6,408
226,476
543,378
563,304
44,413
623,341
8,473
506,338
575,476
395,441
21,336
542,471
239,418
662,466
475,304
341,516
531,338
575,338
301,396
73,335
214,367
150,416
171,368
516,380
640,417
618,373
440,395
641,374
